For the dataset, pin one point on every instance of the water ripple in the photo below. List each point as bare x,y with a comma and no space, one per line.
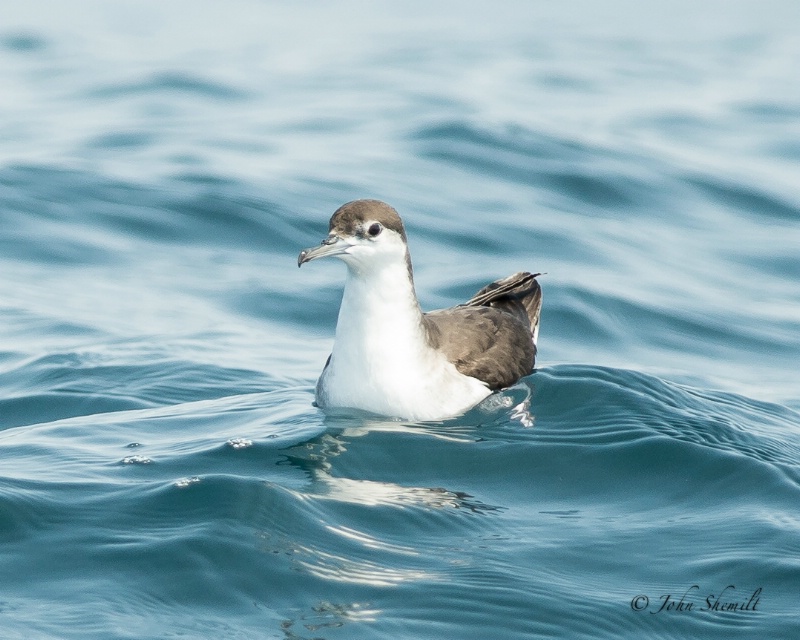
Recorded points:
178,82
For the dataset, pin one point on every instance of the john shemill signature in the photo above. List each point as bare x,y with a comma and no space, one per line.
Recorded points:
727,601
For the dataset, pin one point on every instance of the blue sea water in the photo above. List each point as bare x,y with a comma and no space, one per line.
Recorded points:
163,472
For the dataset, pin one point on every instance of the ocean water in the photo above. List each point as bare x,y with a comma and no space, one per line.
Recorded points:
163,472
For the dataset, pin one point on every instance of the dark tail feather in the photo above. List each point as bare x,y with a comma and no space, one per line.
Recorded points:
519,295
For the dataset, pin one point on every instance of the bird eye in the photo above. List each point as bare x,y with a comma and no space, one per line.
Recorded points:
374,229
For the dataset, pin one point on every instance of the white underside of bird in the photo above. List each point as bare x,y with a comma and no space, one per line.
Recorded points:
381,361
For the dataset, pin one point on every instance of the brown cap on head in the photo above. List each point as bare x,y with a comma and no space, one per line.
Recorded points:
349,219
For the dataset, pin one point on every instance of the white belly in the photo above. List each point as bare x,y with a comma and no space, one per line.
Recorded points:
381,360
430,389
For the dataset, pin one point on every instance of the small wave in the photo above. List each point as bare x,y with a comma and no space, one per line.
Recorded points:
746,199
41,202
71,384
122,140
570,169
643,406
178,82
23,41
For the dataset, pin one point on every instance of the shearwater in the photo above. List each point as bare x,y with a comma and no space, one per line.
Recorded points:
389,357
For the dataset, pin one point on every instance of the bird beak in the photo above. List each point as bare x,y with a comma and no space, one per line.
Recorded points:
333,245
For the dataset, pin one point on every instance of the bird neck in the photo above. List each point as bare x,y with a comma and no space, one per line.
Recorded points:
380,315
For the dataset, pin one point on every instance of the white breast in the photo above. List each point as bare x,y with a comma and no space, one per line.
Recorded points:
381,361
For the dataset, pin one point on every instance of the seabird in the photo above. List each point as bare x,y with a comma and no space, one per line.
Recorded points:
391,358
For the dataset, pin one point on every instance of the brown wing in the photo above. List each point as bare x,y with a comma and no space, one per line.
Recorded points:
519,295
491,337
